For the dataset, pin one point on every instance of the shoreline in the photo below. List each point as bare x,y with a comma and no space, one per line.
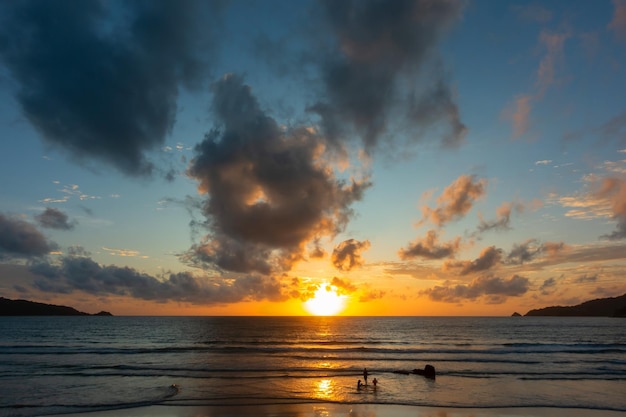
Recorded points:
323,409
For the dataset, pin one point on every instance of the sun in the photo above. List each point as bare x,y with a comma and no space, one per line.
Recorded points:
325,302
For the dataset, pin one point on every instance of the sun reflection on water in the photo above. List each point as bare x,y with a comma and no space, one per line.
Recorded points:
325,390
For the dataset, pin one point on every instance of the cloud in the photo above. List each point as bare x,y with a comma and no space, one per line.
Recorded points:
519,111
585,279
547,287
532,248
347,255
371,295
615,129
503,217
21,239
374,61
543,162
456,200
55,219
83,274
495,289
344,287
100,79
613,190
519,114
546,73
489,257
123,252
269,190
430,248
618,22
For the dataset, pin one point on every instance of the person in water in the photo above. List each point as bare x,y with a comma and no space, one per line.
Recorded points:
375,381
365,375
358,384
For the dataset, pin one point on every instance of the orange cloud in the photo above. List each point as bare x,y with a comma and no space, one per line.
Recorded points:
553,42
456,200
519,112
613,190
344,287
519,115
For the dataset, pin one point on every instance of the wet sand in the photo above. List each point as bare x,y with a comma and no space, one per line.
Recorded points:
344,410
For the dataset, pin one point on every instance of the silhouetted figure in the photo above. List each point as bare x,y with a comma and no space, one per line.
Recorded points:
375,381
359,385
365,375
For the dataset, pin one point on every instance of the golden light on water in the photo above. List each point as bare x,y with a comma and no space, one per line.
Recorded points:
325,302
325,389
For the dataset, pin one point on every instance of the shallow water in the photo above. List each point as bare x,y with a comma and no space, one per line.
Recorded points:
65,364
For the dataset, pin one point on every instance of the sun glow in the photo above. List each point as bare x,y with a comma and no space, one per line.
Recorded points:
325,302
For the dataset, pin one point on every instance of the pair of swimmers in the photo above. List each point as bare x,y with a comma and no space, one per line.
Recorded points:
360,384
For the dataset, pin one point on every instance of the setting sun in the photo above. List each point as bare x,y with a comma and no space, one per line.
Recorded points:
326,302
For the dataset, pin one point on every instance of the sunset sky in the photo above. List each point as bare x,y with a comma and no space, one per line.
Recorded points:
236,158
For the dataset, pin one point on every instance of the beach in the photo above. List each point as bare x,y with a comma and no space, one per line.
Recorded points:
345,410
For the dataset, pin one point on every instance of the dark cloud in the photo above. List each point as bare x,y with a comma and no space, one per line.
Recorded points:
548,286
77,251
456,200
586,278
524,252
83,274
430,248
371,70
100,79
347,255
489,257
21,239
495,289
270,192
531,249
54,219
503,218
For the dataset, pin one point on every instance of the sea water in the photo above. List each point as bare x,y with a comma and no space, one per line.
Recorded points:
52,365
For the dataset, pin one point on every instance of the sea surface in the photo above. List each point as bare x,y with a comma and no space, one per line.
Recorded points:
51,365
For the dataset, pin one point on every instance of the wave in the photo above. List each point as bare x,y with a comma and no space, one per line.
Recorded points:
161,395
235,349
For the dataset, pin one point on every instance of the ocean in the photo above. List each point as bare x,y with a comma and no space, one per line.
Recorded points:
53,365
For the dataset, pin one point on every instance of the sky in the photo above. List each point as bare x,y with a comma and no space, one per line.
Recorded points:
272,157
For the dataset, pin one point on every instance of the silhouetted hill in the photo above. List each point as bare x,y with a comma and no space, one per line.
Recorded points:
31,308
602,307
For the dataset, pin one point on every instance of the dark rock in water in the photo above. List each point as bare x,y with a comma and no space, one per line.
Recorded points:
428,371
103,313
516,314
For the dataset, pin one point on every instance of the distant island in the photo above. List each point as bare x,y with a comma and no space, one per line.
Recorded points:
602,307
30,308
